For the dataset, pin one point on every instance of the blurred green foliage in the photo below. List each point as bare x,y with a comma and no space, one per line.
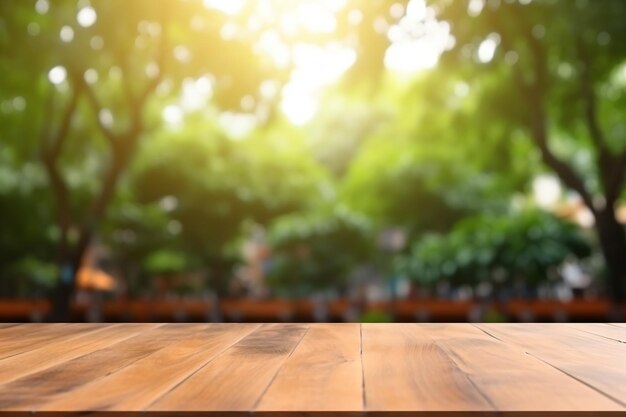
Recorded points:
164,133
523,247
315,252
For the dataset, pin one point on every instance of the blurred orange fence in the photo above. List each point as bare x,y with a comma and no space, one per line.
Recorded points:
281,310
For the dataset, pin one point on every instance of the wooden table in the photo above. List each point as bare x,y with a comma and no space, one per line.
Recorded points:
316,369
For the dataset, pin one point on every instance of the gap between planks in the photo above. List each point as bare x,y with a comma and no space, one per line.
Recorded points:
567,349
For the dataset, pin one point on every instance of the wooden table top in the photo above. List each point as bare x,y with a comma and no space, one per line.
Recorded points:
313,369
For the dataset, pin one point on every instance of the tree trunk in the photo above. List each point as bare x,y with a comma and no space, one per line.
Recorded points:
613,244
69,265
220,276
65,289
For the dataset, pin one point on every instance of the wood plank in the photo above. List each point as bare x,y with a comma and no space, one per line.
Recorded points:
403,371
323,369
615,333
14,341
236,380
324,373
508,377
23,327
593,361
143,382
29,392
63,348
9,330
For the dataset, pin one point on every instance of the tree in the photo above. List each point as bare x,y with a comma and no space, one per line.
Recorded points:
217,185
106,60
317,251
25,241
395,186
520,247
552,70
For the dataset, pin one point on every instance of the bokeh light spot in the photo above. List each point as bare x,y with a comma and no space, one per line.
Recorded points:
66,34
57,75
86,16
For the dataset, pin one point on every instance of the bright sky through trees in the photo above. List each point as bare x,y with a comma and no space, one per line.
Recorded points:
316,65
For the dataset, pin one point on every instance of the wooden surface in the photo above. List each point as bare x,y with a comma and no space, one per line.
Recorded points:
313,369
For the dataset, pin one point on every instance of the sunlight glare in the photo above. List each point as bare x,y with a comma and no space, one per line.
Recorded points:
474,7
416,40
546,191
315,68
196,93
318,66
237,125
298,105
229,7
271,44
314,65
487,49
316,19
416,10
173,115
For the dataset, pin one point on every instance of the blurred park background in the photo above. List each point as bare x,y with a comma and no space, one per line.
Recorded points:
312,160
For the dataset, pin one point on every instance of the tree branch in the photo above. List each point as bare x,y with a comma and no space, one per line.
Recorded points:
97,108
611,167
615,182
535,93
122,149
52,143
160,58
590,102
565,172
138,101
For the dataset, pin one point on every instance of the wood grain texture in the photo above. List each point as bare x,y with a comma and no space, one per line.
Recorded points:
8,325
508,377
326,364
28,392
63,348
607,331
16,340
593,361
236,380
312,370
404,371
146,380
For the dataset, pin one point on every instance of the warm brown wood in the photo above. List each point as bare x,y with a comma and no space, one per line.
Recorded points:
607,331
145,381
326,364
15,340
237,379
8,325
313,370
405,371
487,363
65,348
596,362
27,393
